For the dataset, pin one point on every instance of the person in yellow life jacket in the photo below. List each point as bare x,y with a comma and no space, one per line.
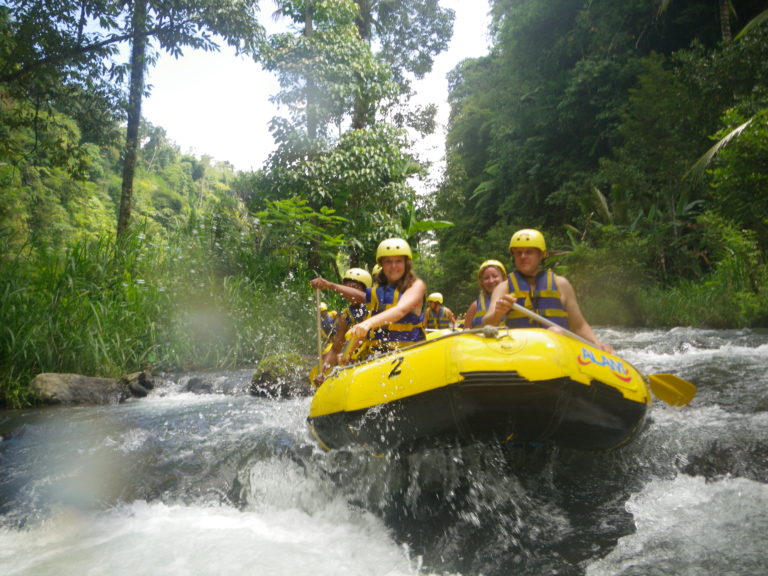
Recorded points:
327,321
359,280
537,289
395,300
437,316
490,274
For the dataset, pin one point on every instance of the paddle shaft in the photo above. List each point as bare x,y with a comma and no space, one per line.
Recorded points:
319,331
667,387
538,318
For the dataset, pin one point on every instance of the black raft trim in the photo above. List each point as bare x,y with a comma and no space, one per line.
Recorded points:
492,406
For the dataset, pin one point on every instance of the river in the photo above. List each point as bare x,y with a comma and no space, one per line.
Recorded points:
228,484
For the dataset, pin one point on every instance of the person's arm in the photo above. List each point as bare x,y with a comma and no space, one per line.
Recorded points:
409,300
351,294
469,316
451,318
501,303
331,358
339,337
576,321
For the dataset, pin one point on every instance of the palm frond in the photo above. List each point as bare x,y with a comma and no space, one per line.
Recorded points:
603,205
752,24
663,5
697,170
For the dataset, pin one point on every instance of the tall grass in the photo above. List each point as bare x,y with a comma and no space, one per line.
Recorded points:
202,296
735,295
614,288
104,308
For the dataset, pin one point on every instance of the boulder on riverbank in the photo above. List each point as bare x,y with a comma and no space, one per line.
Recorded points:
57,388
281,375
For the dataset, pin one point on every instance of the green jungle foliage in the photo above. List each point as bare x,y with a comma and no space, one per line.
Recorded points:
585,120
187,288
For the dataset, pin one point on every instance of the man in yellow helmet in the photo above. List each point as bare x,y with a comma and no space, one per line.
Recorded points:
539,290
437,316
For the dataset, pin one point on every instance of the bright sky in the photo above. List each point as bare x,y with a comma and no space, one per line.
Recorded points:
218,104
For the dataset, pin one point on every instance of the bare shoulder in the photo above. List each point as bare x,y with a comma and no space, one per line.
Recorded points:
418,289
563,284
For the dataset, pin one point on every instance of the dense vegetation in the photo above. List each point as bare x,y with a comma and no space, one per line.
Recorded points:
586,120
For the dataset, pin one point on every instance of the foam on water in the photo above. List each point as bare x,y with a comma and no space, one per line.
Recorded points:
143,538
76,475
688,526
179,483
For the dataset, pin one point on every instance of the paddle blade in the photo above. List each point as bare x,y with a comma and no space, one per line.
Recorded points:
313,375
672,389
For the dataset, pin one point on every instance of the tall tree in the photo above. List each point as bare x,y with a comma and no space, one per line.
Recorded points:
175,26
724,10
136,91
321,65
50,59
50,47
359,171
406,35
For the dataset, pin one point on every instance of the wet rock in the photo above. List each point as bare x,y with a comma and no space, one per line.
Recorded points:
63,388
198,385
281,375
138,383
55,388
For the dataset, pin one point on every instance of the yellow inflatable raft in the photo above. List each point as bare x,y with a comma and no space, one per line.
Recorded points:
522,386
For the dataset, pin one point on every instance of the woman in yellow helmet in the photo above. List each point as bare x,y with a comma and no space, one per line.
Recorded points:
490,274
395,300
542,291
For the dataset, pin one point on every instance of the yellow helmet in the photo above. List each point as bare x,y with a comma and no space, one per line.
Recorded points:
488,263
393,247
375,270
358,275
528,238
323,307
435,297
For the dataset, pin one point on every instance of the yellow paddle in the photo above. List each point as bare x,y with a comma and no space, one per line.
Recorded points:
672,389
668,388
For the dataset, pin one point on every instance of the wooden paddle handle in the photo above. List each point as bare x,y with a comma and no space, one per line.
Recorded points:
319,331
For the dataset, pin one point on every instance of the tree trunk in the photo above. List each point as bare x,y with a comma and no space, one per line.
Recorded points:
311,88
138,68
362,114
313,259
725,20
